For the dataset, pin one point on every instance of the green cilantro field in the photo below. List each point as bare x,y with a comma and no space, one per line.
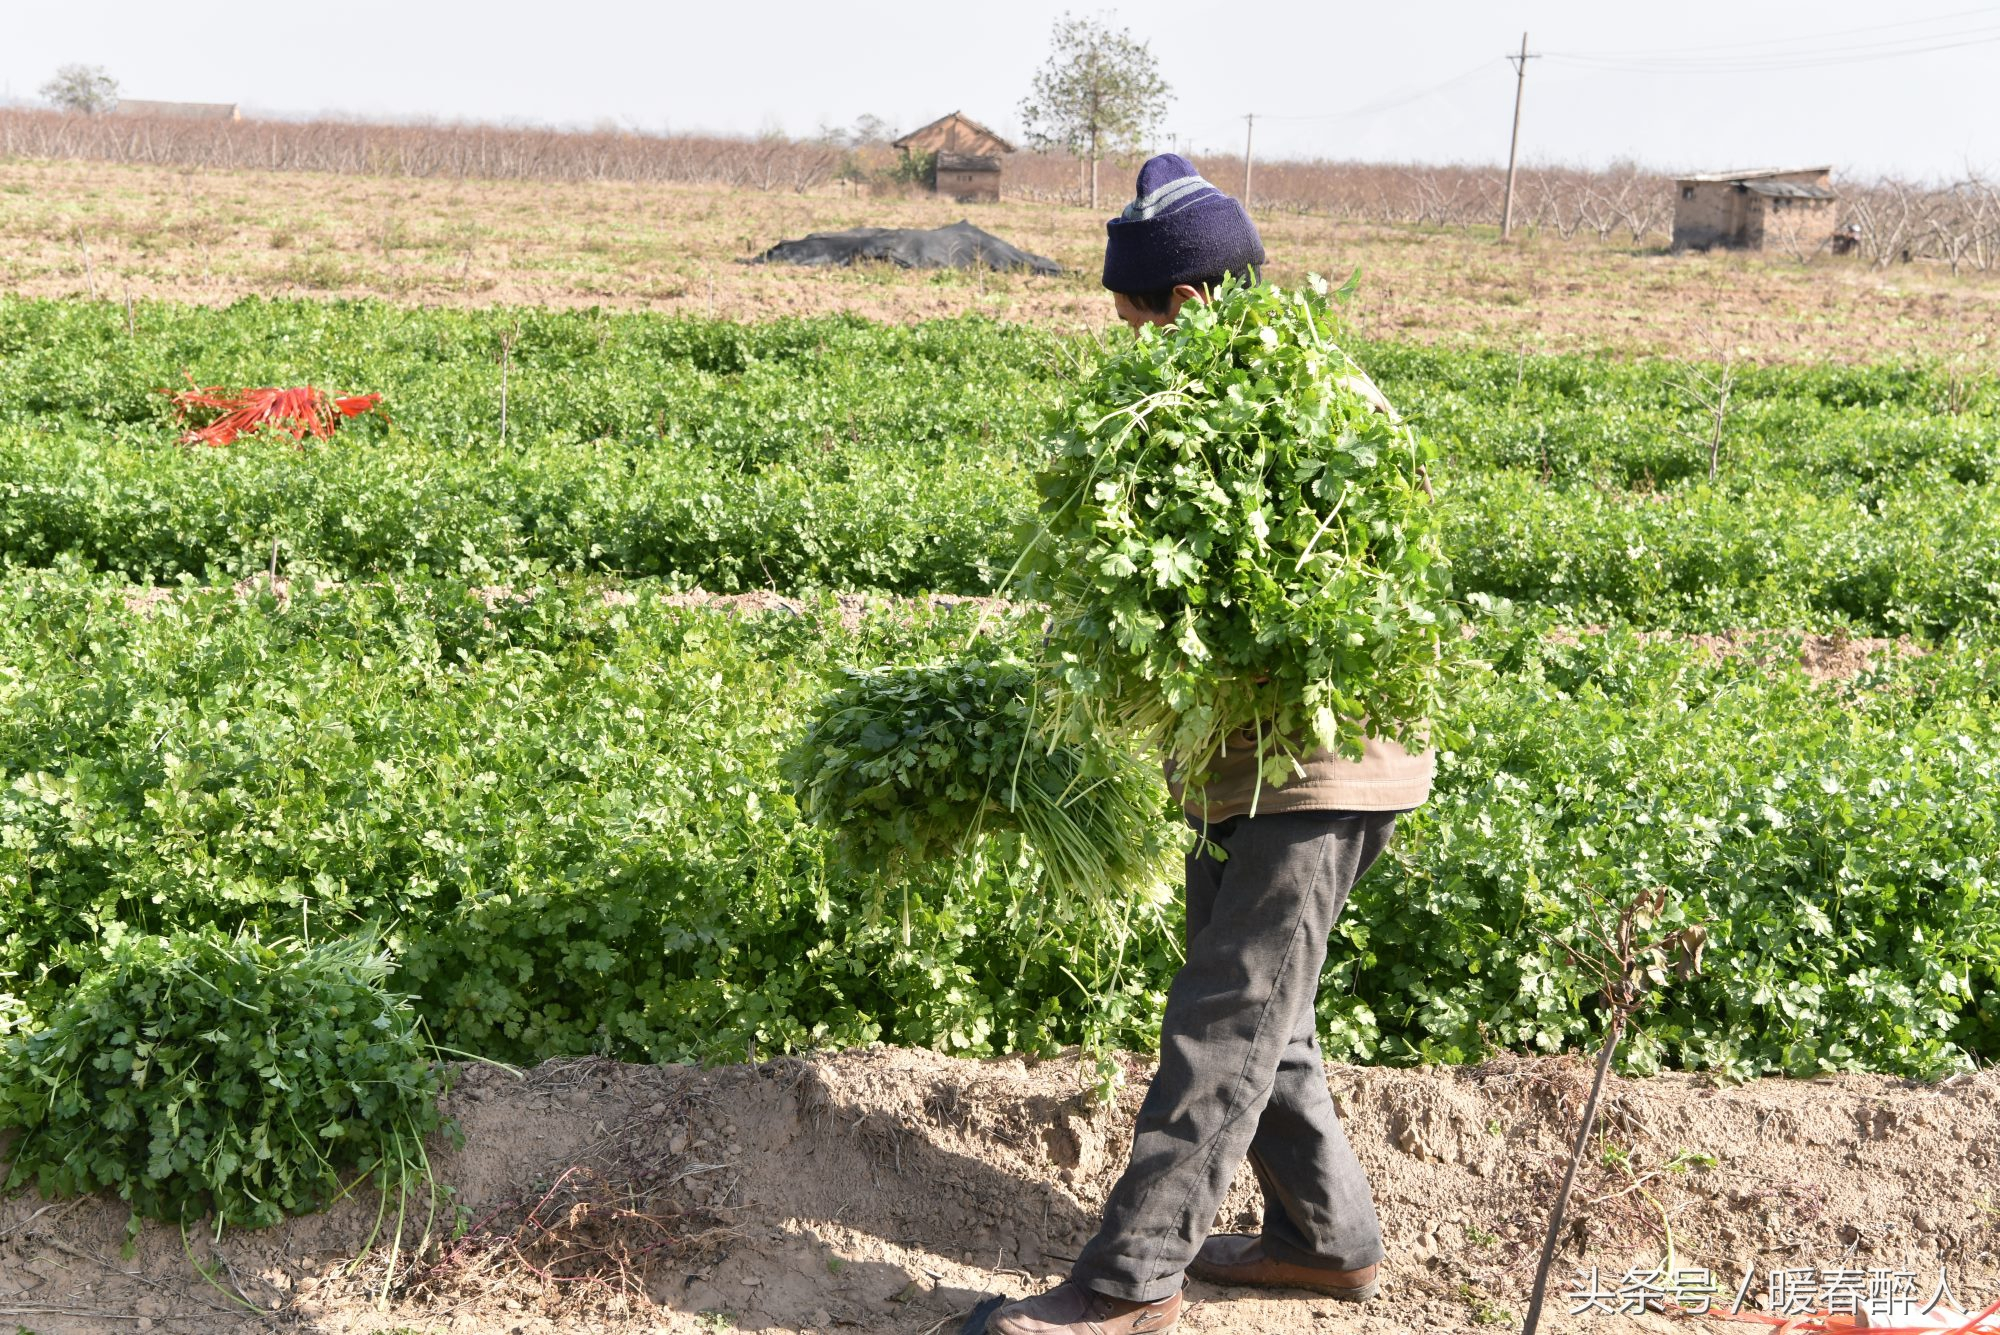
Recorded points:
475,721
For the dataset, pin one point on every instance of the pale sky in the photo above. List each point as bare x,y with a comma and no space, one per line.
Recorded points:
1909,88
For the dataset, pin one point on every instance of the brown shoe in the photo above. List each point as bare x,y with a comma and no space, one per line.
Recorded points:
1071,1309
1239,1258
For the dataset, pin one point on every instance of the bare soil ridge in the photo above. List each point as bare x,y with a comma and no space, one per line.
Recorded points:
1824,658
887,1190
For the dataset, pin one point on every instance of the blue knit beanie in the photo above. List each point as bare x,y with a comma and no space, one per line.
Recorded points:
1179,228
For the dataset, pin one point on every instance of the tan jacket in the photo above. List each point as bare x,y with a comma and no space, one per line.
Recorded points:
1386,778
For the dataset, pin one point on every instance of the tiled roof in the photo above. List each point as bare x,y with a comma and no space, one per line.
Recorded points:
1788,189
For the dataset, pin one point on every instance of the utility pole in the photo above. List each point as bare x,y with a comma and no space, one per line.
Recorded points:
1520,64
1249,128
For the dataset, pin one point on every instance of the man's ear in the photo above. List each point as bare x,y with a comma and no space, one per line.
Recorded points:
1186,292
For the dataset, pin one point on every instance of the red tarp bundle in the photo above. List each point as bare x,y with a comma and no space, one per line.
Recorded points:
300,412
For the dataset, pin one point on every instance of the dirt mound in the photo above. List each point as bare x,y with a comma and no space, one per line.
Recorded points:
890,1191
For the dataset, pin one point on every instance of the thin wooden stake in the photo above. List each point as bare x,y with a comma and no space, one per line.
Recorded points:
1569,1175
506,353
89,269
1720,417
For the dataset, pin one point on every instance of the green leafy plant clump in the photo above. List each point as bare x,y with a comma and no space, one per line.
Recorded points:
934,762
1239,539
206,1075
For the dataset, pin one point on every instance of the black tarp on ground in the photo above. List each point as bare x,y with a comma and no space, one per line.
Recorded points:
959,246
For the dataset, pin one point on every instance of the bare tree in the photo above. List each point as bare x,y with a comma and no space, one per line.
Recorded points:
1951,224
1100,91
83,89
1708,393
1447,198
1982,205
867,131
1559,203
1632,199
1886,214
871,129
1601,211
1652,212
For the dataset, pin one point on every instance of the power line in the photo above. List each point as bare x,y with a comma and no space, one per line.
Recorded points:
1803,60
1672,61
1648,52
1799,60
1393,100
1805,52
1388,103
1374,108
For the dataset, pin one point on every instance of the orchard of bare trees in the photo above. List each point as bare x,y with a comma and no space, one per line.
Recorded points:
1956,223
471,151
1620,199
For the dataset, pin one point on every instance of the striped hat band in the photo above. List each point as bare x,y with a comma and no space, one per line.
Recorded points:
1172,196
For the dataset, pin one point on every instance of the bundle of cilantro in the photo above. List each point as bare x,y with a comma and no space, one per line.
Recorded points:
917,764
1235,541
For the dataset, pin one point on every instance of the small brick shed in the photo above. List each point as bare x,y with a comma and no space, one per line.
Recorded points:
1737,208
967,157
969,178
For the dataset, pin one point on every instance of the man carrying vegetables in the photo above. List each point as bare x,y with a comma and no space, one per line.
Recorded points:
1285,832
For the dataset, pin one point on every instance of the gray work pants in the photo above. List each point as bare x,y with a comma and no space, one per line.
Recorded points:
1240,1070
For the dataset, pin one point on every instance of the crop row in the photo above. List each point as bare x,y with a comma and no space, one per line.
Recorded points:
567,811
838,453
1918,559
768,392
